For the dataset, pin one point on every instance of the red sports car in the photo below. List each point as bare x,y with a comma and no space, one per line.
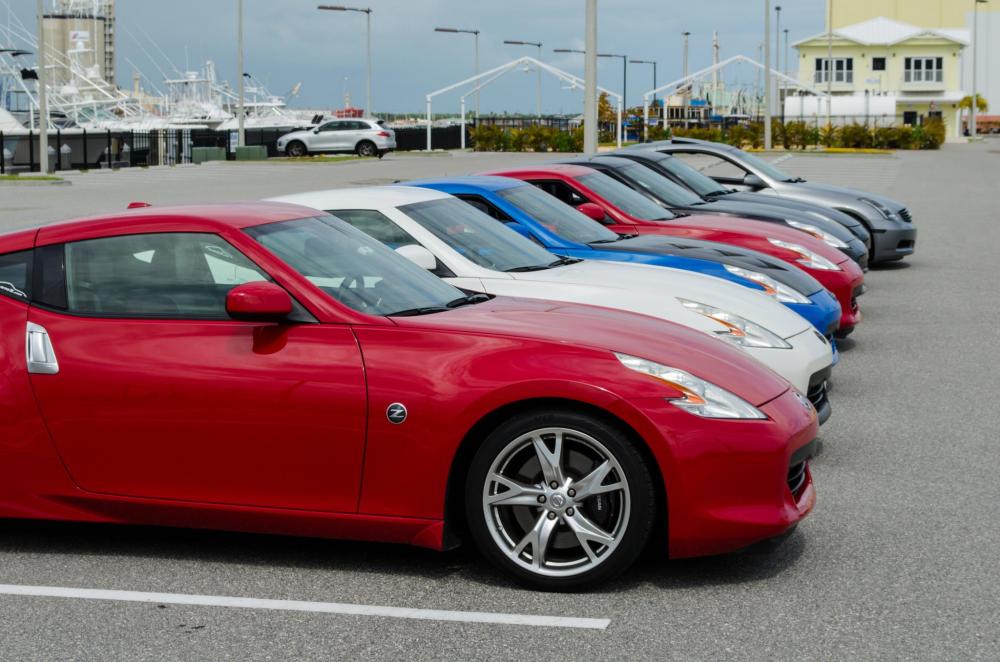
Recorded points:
263,367
626,211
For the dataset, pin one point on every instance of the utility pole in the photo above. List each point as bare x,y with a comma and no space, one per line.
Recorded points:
43,105
241,139
829,63
684,95
590,81
767,75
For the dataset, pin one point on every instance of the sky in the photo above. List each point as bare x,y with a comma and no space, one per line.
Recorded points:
290,42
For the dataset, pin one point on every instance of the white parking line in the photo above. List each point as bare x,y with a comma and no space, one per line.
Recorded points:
314,607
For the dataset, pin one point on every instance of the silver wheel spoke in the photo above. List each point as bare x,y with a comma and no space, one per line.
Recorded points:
590,485
586,532
517,494
551,461
538,538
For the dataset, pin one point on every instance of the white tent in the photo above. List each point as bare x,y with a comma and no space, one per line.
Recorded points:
486,78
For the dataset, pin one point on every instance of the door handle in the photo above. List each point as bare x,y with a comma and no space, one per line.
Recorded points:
41,356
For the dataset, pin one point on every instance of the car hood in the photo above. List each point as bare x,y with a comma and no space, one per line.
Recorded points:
615,331
840,192
651,290
713,251
761,210
807,208
295,134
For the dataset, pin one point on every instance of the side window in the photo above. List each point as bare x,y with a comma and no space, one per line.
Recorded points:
330,126
712,166
171,275
486,207
562,191
376,225
15,275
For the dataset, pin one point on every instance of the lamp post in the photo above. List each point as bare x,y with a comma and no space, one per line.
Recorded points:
624,59
784,70
652,62
241,134
368,49
767,75
973,126
538,83
474,33
590,81
43,105
829,63
686,36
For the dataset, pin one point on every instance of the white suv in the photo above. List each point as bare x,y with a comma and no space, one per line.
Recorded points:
364,137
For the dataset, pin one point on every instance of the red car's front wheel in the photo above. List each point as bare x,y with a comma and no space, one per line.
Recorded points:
561,501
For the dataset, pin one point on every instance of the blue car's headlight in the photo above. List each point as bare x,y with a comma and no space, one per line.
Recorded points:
772,287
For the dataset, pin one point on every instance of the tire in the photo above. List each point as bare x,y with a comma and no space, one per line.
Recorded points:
366,148
296,148
585,540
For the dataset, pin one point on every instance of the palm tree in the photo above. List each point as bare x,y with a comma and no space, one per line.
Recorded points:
966,105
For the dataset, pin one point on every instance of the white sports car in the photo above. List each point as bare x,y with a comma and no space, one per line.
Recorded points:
474,252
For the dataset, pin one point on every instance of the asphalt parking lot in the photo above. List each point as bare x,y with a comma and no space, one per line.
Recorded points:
899,560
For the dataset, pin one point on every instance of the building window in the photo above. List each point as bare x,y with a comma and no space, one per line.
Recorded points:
910,118
924,70
843,70
878,64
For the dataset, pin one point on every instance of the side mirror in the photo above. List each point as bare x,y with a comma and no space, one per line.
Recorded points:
316,130
592,211
260,301
419,256
754,182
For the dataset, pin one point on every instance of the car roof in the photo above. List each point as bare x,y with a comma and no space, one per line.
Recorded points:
605,159
482,182
548,169
217,217
378,196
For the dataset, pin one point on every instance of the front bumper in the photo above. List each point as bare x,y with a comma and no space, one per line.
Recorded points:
810,353
894,240
857,251
730,484
846,285
823,313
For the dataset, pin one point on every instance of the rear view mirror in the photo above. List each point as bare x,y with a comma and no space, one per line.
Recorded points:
754,182
592,211
258,302
419,256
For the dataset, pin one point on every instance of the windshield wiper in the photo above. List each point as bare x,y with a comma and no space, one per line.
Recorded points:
621,237
475,298
563,261
413,312
796,180
533,267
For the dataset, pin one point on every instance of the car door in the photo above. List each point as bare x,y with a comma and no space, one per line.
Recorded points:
150,390
327,138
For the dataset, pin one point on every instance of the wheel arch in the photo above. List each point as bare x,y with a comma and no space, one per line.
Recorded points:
454,516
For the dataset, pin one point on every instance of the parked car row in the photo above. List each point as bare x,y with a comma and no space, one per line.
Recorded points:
558,363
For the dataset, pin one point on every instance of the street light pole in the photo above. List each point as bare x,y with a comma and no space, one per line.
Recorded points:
241,133
538,83
368,49
475,34
43,105
590,81
652,62
767,75
973,124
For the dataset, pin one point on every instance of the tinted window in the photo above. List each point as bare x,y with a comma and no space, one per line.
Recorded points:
634,204
174,275
476,236
15,275
557,217
659,186
701,183
331,126
375,224
352,267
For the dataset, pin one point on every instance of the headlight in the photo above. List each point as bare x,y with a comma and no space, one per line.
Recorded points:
737,330
779,291
882,209
822,235
807,257
700,398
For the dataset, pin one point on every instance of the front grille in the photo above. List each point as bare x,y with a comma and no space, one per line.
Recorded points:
817,395
797,479
906,215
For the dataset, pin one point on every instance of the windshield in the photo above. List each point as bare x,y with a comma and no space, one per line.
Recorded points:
763,166
558,217
632,203
701,183
477,237
662,188
353,268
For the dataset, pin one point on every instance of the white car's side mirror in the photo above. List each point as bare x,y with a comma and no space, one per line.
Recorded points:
418,255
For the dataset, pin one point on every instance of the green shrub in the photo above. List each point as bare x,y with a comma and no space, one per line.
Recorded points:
855,136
